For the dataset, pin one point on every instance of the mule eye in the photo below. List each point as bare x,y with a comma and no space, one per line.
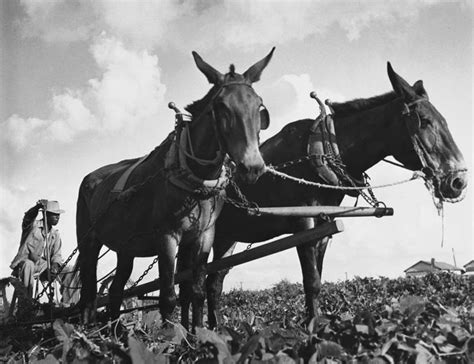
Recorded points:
425,123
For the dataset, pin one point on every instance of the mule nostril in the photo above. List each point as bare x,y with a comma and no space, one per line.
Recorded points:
457,183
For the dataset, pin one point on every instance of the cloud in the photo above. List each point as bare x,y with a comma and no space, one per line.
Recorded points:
287,99
59,21
128,93
243,24
130,89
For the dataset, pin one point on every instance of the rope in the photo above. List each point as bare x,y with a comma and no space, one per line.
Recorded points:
271,170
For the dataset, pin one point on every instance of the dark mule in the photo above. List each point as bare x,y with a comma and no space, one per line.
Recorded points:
397,123
174,195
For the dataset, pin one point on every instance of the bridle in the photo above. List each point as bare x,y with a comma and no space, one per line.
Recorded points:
182,150
432,176
184,121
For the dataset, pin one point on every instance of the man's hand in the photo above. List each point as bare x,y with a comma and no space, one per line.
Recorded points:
42,203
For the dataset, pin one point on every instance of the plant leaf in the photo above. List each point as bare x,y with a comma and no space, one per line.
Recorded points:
207,336
139,353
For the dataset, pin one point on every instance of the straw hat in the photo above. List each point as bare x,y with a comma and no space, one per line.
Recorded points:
53,206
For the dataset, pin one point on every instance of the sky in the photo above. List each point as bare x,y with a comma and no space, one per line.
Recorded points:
86,83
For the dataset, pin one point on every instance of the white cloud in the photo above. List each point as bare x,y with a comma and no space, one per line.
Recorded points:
288,100
244,23
59,21
128,93
20,132
130,89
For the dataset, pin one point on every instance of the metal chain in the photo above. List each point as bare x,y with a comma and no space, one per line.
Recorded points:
241,202
338,168
72,272
298,161
58,272
144,273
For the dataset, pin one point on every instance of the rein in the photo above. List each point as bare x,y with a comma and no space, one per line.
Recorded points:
272,170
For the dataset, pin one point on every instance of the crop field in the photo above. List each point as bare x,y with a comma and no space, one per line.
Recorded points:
363,320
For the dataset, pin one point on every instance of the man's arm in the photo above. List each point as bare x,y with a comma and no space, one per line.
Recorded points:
27,226
30,217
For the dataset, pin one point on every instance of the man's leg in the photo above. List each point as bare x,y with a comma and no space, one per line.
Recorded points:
26,275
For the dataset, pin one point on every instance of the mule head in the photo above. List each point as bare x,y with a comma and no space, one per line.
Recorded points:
430,146
239,115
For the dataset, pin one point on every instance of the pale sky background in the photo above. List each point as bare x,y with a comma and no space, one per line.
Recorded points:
86,83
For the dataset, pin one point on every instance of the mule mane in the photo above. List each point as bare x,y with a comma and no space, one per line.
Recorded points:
357,105
197,107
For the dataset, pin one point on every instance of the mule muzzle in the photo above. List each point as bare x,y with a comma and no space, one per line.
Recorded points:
249,171
453,185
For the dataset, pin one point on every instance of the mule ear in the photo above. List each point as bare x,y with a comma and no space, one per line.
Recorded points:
401,87
254,72
420,90
212,75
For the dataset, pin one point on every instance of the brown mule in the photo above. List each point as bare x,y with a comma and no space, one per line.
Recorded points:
403,124
173,196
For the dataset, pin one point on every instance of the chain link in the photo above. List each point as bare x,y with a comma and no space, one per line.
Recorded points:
144,273
339,168
58,272
241,202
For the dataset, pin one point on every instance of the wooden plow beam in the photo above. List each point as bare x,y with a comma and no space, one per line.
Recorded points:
326,229
314,211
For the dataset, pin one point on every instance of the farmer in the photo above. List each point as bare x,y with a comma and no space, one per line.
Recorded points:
32,254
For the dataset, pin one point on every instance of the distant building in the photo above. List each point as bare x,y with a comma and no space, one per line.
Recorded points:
423,267
469,266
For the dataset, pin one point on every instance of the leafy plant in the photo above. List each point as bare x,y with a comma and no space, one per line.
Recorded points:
363,320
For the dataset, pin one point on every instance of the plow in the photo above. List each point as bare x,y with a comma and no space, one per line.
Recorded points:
11,308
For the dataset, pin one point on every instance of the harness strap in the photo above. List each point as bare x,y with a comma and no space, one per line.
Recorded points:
180,175
120,184
322,141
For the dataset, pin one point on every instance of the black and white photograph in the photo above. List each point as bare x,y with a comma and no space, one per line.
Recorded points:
236,181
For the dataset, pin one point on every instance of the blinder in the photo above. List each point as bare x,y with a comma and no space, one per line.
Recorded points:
264,118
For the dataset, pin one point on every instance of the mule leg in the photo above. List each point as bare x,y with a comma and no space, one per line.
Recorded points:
311,257
185,287
204,245
122,274
320,252
311,278
89,249
214,282
166,257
